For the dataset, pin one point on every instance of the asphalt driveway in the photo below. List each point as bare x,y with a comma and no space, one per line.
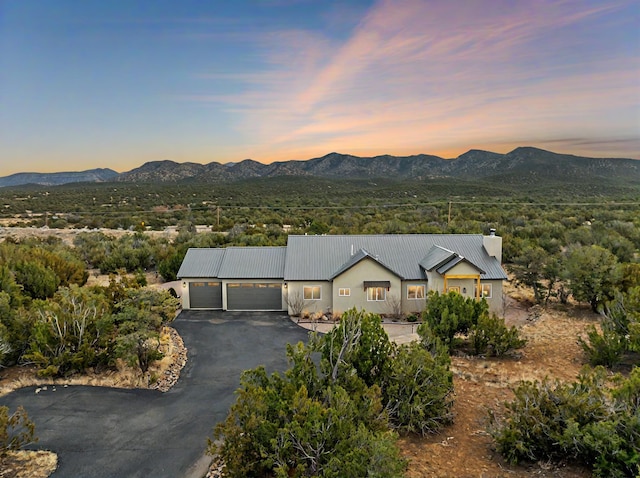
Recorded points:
106,432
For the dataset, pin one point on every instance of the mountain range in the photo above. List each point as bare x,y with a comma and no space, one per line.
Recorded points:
522,165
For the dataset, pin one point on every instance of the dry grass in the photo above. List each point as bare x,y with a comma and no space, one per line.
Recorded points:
28,464
124,376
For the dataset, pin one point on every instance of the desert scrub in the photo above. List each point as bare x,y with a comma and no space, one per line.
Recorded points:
491,337
585,421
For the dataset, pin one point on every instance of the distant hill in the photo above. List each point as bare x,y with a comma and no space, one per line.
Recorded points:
522,166
54,179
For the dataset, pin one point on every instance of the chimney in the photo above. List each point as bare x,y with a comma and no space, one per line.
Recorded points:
493,245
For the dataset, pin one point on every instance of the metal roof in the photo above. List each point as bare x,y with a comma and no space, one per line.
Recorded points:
253,263
436,256
320,257
324,257
357,257
234,263
201,262
447,266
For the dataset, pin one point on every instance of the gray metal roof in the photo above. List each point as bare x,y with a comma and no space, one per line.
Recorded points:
234,263
320,257
253,263
447,266
354,259
201,262
324,257
436,256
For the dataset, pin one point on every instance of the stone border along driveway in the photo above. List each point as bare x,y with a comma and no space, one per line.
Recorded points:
109,432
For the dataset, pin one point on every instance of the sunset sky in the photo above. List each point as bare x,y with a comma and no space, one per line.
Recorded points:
97,83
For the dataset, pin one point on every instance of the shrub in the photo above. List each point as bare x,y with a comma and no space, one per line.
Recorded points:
358,346
278,428
449,314
16,430
492,337
584,421
603,349
334,418
620,330
418,391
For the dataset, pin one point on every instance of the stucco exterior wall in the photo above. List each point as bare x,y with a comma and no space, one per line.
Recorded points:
413,306
295,290
354,278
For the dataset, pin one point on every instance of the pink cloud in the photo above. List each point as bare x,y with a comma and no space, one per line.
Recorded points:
429,75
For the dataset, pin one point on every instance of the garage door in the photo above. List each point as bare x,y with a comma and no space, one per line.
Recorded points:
254,296
205,295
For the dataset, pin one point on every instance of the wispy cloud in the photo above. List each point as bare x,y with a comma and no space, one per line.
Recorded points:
429,75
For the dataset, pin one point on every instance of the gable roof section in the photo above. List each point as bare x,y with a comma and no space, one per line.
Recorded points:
436,257
355,259
201,262
447,266
234,263
320,257
253,263
443,260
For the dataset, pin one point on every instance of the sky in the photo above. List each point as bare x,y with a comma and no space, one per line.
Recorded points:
94,83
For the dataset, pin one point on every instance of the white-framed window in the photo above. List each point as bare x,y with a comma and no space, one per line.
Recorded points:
376,293
453,288
415,291
344,292
311,292
485,291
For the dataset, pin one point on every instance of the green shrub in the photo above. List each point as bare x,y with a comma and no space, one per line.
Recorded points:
450,314
418,391
603,349
620,330
335,418
278,429
583,421
490,336
16,430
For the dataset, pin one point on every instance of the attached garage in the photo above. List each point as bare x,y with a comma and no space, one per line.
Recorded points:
205,295
254,296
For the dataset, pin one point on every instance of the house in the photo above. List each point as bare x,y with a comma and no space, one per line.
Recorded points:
379,273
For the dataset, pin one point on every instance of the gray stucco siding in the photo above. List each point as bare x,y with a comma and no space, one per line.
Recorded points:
354,279
295,289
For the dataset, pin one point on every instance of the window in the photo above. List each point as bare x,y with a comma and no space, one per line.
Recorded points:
344,292
453,288
485,291
376,293
415,292
311,292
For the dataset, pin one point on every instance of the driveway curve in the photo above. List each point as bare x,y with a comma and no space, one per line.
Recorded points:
108,432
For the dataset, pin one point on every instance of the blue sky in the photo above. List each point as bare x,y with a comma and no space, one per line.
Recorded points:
88,83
